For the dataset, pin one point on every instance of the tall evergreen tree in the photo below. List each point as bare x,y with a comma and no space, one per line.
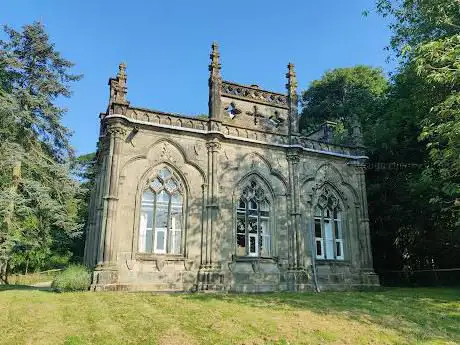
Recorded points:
37,195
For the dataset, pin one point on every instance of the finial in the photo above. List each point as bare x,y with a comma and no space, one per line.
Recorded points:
118,89
214,67
292,99
292,80
121,75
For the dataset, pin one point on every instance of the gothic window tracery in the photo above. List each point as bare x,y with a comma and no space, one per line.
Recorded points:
328,229
161,216
253,236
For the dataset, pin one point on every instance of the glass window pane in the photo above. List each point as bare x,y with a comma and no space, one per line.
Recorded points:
176,218
252,225
174,241
329,240
160,240
240,225
176,198
241,204
142,231
318,228
156,185
252,205
161,217
147,197
164,173
265,237
252,244
163,197
149,241
319,251
339,248
264,206
338,229
241,241
170,185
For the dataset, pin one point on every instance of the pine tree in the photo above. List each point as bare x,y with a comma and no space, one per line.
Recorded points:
38,208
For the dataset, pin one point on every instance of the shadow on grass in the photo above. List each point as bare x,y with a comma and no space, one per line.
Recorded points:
10,287
416,313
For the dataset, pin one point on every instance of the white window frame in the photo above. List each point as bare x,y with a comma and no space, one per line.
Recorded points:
258,237
328,239
171,230
165,241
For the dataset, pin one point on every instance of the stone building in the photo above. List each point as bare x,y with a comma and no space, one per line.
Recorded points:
237,201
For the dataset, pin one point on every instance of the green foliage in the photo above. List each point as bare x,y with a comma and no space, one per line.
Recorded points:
343,95
38,205
414,119
84,169
415,214
73,278
418,21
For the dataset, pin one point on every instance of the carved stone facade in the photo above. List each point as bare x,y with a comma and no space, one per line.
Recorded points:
239,201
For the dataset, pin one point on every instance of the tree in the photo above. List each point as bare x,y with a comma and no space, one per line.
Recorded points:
423,112
84,168
37,195
341,96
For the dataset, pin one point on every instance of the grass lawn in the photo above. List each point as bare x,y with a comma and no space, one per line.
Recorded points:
390,316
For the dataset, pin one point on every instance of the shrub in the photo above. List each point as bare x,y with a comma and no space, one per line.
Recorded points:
73,278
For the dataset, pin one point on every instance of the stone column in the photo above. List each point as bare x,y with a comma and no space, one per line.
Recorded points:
294,195
116,132
213,147
109,193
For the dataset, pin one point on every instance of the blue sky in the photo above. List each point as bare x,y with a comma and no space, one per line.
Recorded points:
166,46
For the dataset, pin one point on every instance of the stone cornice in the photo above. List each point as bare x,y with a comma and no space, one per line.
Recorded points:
314,147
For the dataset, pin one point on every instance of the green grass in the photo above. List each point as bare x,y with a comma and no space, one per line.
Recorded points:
33,278
390,316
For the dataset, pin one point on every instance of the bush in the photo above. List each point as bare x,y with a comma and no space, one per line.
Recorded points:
73,278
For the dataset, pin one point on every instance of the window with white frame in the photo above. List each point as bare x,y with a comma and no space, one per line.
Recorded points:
161,216
253,236
328,227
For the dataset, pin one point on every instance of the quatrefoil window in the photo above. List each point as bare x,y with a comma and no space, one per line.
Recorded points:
232,111
276,120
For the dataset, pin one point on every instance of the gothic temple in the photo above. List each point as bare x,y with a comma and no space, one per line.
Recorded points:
238,201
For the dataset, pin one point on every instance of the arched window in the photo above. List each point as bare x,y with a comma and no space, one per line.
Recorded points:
328,227
253,237
161,219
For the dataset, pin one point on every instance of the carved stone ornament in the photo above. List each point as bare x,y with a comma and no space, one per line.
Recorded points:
276,120
213,146
255,114
130,264
328,199
252,190
327,174
188,264
160,264
293,157
253,93
165,154
116,130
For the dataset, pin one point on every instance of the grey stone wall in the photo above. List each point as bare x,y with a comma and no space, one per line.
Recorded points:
215,158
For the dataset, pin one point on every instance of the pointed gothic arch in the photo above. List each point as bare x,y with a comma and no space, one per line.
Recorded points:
160,217
254,217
